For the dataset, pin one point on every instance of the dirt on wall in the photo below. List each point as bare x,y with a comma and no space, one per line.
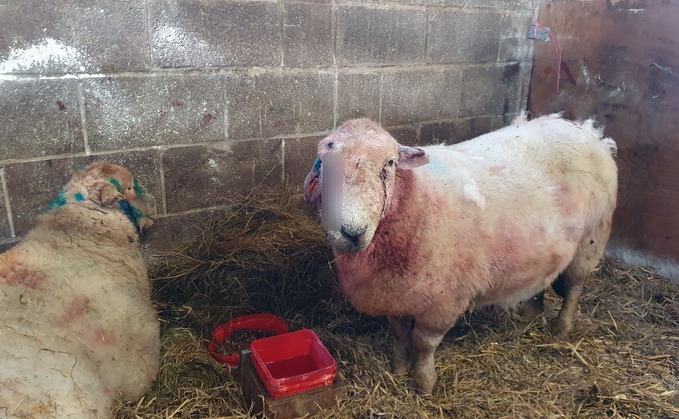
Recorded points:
620,64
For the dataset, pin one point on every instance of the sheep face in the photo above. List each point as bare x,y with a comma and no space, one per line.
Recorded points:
370,160
111,186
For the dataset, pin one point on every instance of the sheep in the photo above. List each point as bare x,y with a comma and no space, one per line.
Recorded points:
77,328
429,232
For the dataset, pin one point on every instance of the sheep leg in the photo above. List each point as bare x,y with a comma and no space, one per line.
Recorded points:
402,328
564,322
425,341
570,283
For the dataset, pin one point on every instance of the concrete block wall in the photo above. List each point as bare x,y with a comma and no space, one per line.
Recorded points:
206,98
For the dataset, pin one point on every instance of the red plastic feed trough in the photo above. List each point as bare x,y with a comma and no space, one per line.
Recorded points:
255,322
292,363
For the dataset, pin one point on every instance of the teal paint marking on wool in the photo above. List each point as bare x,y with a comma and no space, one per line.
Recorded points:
58,202
139,190
79,197
131,212
317,166
113,181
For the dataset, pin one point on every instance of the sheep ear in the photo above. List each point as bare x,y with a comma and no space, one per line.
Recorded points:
109,195
411,157
312,187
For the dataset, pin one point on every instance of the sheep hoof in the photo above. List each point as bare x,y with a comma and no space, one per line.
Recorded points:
400,366
561,327
424,382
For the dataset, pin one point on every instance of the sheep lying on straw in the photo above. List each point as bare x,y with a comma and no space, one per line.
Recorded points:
425,233
77,328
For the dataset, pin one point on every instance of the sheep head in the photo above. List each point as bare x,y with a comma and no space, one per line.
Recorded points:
109,186
370,159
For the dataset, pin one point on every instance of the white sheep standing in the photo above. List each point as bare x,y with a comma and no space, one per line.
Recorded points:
77,328
428,232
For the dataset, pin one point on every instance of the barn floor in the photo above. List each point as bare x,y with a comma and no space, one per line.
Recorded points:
269,256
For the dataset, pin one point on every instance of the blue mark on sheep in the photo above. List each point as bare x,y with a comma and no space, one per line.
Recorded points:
133,213
317,166
61,200
439,168
139,190
58,202
113,181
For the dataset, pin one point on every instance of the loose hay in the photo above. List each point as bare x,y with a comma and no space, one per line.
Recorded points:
268,255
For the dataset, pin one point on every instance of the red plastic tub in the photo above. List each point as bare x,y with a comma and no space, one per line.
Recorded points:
255,322
292,363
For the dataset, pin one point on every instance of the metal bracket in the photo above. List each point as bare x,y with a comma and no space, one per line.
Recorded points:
540,33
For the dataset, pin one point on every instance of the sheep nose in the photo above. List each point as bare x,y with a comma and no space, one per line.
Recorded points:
352,234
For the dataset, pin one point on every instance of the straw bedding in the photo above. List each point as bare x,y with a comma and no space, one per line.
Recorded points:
269,255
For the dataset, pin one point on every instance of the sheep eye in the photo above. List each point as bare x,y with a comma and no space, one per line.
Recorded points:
331,144
385,171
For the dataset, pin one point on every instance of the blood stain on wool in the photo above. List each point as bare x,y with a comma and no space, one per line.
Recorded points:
77,308
20,275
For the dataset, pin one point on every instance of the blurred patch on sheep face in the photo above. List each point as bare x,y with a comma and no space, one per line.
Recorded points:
332,175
